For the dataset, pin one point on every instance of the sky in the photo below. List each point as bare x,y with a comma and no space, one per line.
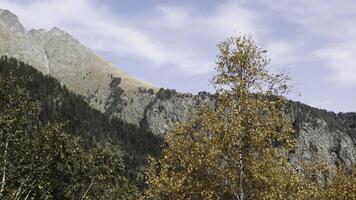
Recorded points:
172,43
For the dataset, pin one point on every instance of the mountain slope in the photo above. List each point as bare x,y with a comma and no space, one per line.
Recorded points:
57,53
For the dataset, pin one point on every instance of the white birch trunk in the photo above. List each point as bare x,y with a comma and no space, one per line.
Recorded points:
241,178
3,181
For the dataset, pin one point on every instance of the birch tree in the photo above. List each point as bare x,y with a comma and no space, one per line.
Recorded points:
238,150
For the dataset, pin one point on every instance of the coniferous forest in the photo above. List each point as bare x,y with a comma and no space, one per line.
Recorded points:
54,144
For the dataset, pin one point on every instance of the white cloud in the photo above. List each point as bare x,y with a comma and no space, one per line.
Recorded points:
194,31
232,18
327,17
341,59
226,19
282,53
333,23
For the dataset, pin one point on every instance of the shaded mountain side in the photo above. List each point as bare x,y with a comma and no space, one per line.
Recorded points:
58,104
335,121
350,120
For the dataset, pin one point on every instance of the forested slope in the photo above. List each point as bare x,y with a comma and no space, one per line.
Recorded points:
58,104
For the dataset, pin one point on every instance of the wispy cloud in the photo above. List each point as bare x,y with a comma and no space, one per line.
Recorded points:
196,34
283,53
341,59
332,23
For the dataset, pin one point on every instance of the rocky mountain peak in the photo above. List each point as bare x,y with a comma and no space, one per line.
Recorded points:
38,32
37,35
57,53
57,32
10,21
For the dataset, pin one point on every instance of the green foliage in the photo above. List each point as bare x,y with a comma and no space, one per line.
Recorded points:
40,160
57,104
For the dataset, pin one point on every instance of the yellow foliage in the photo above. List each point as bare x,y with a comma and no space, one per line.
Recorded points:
342,187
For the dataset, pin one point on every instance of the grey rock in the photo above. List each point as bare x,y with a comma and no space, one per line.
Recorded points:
16,42
169,108
11,22
323,135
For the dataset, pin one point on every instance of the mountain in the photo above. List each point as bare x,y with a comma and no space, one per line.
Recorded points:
58,54
321,135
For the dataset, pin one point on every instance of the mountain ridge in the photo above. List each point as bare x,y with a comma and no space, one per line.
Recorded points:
57,53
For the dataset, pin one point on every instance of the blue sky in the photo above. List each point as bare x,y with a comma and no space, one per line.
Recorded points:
172,44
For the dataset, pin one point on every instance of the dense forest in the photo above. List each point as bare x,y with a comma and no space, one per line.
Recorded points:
57,105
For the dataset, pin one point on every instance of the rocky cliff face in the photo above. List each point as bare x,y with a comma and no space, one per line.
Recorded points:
321,135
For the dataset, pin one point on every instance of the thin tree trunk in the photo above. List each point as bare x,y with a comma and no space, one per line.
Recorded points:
3,181
29,192
18,191
86,192
241,178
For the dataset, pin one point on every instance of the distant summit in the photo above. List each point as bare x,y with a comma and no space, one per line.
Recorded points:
10,21
57,53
